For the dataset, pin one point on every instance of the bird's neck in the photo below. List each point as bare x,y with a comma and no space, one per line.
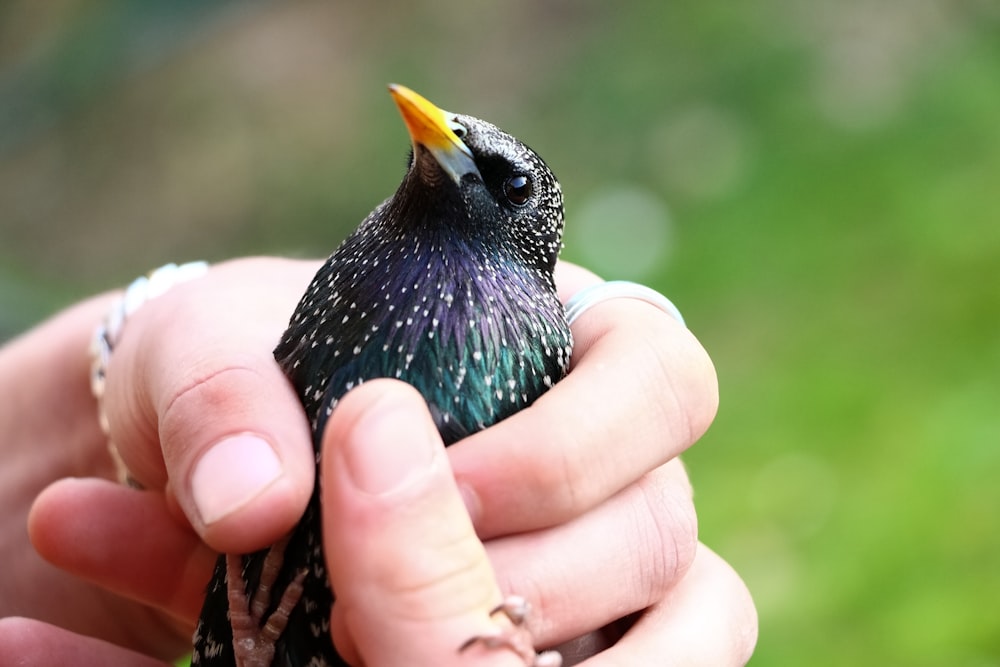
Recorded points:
479,335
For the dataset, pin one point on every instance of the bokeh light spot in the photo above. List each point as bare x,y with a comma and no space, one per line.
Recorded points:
621,232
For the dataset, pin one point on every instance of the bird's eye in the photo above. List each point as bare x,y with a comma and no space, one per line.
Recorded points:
517,189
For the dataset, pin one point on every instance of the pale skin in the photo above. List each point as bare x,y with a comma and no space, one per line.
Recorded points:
578,503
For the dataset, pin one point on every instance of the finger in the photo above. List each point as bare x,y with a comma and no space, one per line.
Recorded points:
707,619
571,278
167,568
199,406
563,454
402,553
630,551
27,642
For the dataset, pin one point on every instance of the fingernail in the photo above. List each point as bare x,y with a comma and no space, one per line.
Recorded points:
389,446
231,473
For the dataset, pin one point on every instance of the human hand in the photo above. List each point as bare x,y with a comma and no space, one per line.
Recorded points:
586,509
48,431
164,402
406,562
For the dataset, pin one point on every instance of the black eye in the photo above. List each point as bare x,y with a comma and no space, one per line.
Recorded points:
517,189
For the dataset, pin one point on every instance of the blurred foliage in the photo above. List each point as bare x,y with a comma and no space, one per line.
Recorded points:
813,183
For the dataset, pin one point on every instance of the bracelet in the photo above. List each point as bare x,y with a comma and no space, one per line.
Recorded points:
589,297
108,334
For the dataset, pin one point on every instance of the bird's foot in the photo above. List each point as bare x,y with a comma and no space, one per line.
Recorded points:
516,636
254,636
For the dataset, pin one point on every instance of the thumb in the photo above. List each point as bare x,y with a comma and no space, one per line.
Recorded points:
412,580
198,407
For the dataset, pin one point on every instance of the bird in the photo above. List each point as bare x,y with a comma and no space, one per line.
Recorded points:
446,285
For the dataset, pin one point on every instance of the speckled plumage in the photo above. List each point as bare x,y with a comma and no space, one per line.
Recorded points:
446,286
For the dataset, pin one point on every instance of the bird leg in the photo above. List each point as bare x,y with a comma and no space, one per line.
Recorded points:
516,637
254,637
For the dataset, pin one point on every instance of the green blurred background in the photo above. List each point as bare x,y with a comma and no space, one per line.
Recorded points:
814,183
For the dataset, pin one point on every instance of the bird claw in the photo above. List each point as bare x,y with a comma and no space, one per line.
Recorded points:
515,608
515,638
254,635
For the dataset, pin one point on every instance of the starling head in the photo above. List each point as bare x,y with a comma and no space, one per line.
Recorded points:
446,285
479,181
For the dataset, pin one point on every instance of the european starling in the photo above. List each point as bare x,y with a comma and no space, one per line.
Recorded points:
446,285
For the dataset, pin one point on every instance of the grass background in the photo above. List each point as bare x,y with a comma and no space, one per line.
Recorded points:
814,183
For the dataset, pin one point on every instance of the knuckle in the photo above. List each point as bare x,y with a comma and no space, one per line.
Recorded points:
684,392
204,403
669,526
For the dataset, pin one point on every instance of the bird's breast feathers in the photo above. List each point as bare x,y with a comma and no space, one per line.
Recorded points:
479,338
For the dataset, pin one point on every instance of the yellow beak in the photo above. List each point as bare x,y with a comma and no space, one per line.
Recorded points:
429,127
